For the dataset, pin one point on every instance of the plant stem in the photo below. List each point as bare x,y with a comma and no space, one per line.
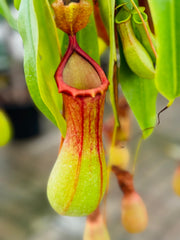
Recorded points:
136,154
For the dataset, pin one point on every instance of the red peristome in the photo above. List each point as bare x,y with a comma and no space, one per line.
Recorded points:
64,88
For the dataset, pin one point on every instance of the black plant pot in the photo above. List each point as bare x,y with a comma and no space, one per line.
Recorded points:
24,120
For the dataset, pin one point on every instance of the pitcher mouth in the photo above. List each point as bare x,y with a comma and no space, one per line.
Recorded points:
65,88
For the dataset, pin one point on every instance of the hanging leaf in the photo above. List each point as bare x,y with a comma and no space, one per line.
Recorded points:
41,58
166,22
48,59
17,4
5,12
28,30
140,93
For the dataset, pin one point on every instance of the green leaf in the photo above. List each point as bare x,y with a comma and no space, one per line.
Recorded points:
28,30
141,96
63,43
5,12
166,22
48,59
88,39
41,58
17,4
6,129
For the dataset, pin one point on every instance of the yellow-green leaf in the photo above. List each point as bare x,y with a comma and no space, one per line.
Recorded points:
17,4
5,129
